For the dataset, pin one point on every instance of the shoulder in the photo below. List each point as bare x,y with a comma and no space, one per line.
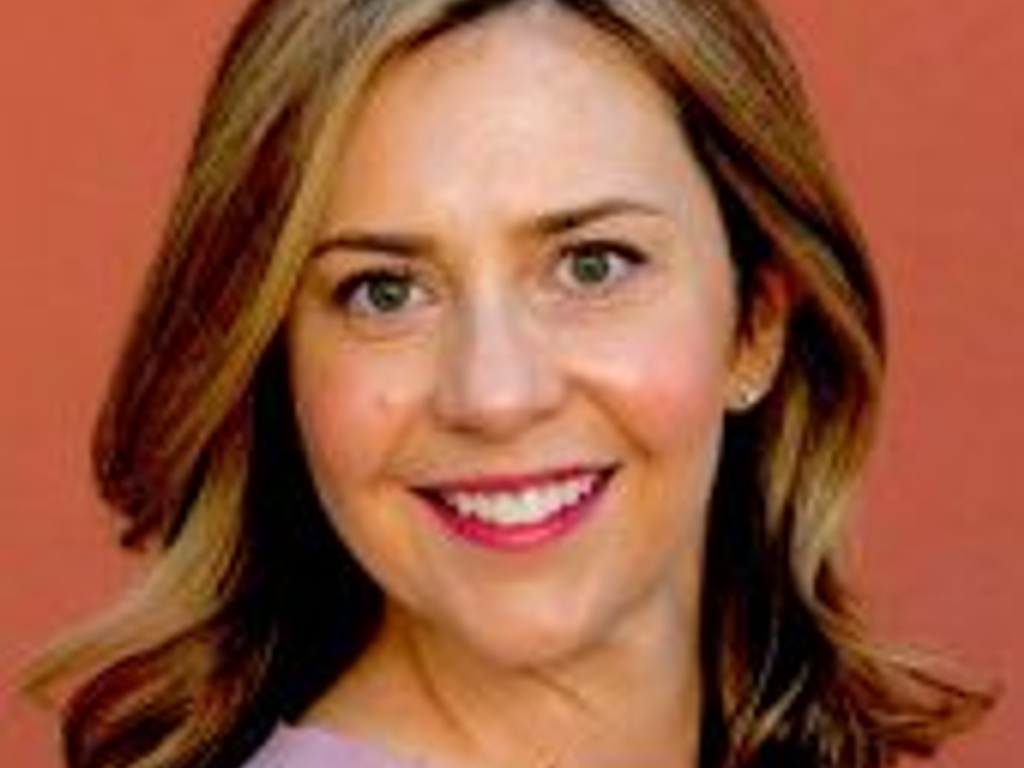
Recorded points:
312,747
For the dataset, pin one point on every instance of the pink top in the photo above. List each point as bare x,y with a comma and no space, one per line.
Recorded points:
312,747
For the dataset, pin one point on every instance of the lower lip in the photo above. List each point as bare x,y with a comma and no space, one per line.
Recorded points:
522,536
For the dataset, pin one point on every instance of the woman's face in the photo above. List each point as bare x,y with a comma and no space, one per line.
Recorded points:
512,352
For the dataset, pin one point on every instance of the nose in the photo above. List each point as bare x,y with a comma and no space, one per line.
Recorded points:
498,375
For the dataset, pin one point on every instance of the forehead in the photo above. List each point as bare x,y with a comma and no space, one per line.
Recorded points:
532,39
527,101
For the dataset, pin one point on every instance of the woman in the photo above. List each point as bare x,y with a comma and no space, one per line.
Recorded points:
494,402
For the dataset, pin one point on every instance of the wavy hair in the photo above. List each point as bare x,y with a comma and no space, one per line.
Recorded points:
252,606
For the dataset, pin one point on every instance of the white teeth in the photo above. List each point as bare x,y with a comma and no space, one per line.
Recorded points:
521,507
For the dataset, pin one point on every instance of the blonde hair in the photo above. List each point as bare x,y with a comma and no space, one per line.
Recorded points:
196,448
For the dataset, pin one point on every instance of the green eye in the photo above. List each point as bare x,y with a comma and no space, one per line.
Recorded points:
591,268
387,295
377,293
597,265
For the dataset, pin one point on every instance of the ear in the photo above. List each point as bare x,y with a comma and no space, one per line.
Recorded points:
760,342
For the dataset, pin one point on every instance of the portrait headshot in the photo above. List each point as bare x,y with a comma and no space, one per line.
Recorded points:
516,384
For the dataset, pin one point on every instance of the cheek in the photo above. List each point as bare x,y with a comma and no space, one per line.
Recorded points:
666,380
331,414
666,408
350,417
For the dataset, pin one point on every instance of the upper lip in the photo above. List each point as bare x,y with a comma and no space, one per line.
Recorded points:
511,482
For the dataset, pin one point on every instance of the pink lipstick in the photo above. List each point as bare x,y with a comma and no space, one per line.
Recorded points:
516,512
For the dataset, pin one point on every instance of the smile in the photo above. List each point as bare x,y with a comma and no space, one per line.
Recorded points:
518,511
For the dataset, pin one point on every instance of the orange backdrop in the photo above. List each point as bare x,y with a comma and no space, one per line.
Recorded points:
923,106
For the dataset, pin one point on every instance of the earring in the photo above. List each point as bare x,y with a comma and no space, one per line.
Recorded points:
746,396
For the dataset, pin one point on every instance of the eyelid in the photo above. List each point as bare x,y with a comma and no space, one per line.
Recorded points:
632,255
344,292
620,247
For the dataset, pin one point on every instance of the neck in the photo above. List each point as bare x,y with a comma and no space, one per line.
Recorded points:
633,701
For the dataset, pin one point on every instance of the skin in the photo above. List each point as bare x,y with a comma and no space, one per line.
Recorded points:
481,351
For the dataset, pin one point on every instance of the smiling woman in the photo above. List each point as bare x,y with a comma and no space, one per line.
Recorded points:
533,389
495,401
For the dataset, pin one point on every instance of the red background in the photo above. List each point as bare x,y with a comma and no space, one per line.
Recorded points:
922,103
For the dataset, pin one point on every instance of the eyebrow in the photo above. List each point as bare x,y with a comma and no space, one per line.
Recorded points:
557,222
407,245
390,244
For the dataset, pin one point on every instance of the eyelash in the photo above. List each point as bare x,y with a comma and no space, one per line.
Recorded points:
350,293
627,259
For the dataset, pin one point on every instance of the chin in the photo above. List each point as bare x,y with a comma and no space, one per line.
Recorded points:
521,643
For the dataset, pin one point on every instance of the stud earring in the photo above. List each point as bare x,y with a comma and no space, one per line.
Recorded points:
747,396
